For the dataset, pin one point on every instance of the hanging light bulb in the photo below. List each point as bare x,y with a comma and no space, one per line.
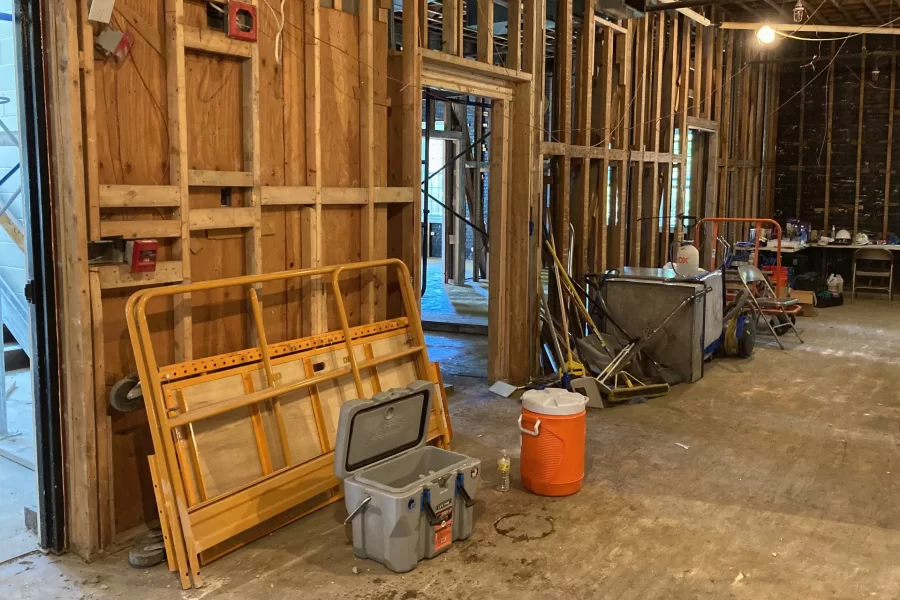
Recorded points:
765,35
799,12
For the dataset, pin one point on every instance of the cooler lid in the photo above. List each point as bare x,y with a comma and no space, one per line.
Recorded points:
384,426
554,401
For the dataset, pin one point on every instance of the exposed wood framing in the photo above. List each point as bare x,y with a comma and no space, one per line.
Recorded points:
859,136
890,144
581,191
486,30
829,135
801,141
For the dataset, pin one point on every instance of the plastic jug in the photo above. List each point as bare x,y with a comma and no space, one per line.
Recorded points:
833,285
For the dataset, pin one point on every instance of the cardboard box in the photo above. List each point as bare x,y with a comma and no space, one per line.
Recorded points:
807,302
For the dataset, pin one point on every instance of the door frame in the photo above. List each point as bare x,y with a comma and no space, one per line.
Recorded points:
41,272
509,310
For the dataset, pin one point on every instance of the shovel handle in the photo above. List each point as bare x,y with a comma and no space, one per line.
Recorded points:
532,432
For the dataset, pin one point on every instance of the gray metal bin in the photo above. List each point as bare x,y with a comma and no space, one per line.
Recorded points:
406,501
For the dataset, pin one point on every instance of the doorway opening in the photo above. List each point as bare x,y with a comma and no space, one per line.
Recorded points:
456,144
18,480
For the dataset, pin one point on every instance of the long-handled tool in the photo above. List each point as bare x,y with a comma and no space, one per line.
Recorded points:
623,385
570,367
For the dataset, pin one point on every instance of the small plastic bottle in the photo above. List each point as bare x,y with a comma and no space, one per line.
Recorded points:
503,467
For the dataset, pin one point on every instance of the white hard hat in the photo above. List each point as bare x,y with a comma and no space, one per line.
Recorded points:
842,234
861,239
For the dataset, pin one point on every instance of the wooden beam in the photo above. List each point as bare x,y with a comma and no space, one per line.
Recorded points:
843,12
809,28
682,122
370,281
607,23
411,133
670,91
287,195
875,12
621,256
800,142
203,219
120,276
73,286
132,196
485,26
690,14
197,178
581,194
637,168
890,144
698,72
451,26
179,175
658,80
514,34
136,229
859,137
313,292
461,67
89,107
214,42
500,267
561,203
829,103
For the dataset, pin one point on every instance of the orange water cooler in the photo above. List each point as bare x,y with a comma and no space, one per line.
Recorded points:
553,425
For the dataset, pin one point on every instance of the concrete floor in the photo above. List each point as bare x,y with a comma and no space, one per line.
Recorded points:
465,305
17,479
787,489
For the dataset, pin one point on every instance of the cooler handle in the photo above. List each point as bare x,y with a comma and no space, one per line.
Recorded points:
532,432
358,509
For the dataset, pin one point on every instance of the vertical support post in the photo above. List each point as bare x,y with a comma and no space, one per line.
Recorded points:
698,69
526,146
178,169
637,166
828,135
367,155
451,27
411,113
564,126
478,200
708,90
581,194
514,34
252,164
624,142
601,229
670,88
800,141
485,42
653,223
682,121
498,214
92,163
726,126
890,144
859,135
314,320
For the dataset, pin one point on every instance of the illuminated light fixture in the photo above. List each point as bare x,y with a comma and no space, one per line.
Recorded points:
799,12
765,35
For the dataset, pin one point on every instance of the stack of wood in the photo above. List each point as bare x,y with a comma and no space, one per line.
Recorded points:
244,442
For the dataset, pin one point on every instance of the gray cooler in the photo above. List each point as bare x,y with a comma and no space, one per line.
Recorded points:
406,501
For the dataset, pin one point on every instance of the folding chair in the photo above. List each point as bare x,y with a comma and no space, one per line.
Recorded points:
765,302
880,255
